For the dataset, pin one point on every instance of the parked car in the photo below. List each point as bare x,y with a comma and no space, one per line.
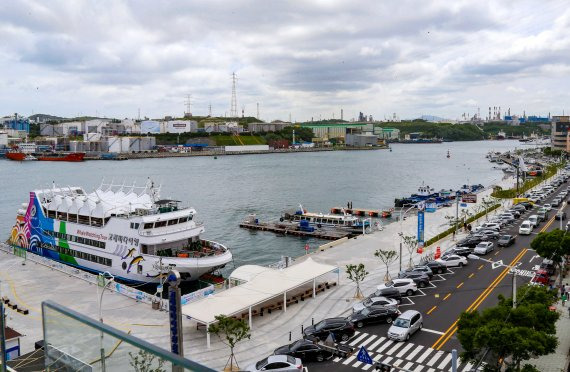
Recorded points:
525,228
371,315
492,234
436,267
548,266
519,208
506,240
421,279
388,293
547,206
484,248
341,328
541,277
527,205
560,215
375,301
405,325
422,269
277,363
542,214
460,251
405,286
470,242
306,350
555,202
453,260
515,213
534,220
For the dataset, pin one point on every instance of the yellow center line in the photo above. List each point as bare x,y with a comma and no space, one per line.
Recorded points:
446,296
432,309
460,285
480,267
471,275
453,328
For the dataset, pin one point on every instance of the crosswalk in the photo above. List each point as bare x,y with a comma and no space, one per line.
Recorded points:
407,355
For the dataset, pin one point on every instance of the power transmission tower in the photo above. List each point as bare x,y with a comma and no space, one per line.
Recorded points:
188,113
210,110
233,109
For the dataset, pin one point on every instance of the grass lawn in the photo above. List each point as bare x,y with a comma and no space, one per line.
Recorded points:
228,140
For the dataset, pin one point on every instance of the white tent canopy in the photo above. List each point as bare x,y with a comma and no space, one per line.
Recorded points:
263,285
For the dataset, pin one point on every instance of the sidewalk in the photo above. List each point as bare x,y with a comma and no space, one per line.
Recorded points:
559,360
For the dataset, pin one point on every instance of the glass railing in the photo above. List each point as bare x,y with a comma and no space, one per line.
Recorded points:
74,342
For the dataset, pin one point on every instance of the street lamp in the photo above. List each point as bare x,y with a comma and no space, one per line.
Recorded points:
103,280
513,271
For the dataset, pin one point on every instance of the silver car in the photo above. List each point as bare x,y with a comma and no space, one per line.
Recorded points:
277,363
375,301
405,325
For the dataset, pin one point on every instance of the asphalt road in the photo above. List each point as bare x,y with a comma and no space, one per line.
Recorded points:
473,287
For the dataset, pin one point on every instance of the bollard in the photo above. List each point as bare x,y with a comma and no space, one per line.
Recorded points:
301,328
312,321
289,335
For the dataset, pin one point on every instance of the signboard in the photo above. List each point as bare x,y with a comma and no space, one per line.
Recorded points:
196,295
421,228
431,207
469,198
363,356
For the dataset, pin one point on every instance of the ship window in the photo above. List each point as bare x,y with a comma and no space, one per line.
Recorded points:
144,248
148,225
137,226
183,219
139,269
160,224
190,217
172,222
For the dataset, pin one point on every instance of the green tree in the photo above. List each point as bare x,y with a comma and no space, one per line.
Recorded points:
411,244
553,245
143,361
230,331
356,273
387,257
510,336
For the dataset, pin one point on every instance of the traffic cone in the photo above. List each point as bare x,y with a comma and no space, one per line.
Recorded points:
437,253
420,250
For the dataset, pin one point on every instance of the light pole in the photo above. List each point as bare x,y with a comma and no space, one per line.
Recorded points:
102,279
513,271
457,193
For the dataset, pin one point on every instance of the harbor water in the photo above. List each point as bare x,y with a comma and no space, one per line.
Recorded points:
227,189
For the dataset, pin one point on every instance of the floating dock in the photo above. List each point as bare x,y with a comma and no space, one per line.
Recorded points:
362,212
290,229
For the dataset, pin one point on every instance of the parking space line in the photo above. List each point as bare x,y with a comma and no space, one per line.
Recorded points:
471,275
496,253
460,285
480,267
446,296
432,309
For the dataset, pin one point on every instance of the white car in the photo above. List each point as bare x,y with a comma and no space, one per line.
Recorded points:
453,260
526,228
533,220
375,301
547,206
404,286
484,248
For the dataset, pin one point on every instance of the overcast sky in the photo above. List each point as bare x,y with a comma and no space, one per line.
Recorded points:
300,58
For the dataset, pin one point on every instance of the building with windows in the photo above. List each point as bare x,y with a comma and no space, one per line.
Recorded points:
327,131
560,127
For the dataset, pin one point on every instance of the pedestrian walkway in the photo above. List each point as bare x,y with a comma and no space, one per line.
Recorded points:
406,355
558,361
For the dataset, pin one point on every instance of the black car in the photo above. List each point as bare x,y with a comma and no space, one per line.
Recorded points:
341,328
436,267
388,293
548,266
306,350
375,314
460,251
421,279
506,240
470,242
527,205
560,215
421,269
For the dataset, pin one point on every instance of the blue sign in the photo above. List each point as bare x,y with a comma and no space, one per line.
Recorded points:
363,356
420,227
431,207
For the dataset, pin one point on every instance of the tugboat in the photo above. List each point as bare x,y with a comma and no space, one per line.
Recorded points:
345,221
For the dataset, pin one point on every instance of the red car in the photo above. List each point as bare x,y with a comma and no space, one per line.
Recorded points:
541,277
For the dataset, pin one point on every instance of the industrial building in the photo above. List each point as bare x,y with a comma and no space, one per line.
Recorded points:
387,133
327,131
267,127
560,127
361,139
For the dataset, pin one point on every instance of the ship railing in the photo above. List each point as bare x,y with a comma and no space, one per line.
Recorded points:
166,230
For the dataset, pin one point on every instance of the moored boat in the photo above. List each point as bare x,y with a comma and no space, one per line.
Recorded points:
127,231
63,156
344,221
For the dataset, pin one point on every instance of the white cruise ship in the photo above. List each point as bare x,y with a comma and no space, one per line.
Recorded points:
127,231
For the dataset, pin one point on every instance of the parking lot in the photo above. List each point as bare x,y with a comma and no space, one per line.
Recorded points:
474,286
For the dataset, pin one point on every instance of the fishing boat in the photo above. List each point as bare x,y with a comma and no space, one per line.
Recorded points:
62,156
15,155
319,220
128,231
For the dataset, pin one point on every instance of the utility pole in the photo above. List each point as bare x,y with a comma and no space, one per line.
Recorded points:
2,332
456,212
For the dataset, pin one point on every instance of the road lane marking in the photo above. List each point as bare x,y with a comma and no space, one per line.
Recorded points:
404,350
396,347
435,358
349,359
419,368
446,296
453,328
432,331
471,275
444,361
358,339
432,309
409,365
460,285
415,352
372,337
424,355
376,343
385,346
480,267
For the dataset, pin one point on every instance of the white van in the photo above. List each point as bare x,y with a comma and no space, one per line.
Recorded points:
525,228
533,220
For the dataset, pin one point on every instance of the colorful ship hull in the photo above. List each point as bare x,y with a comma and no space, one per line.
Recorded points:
71,157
